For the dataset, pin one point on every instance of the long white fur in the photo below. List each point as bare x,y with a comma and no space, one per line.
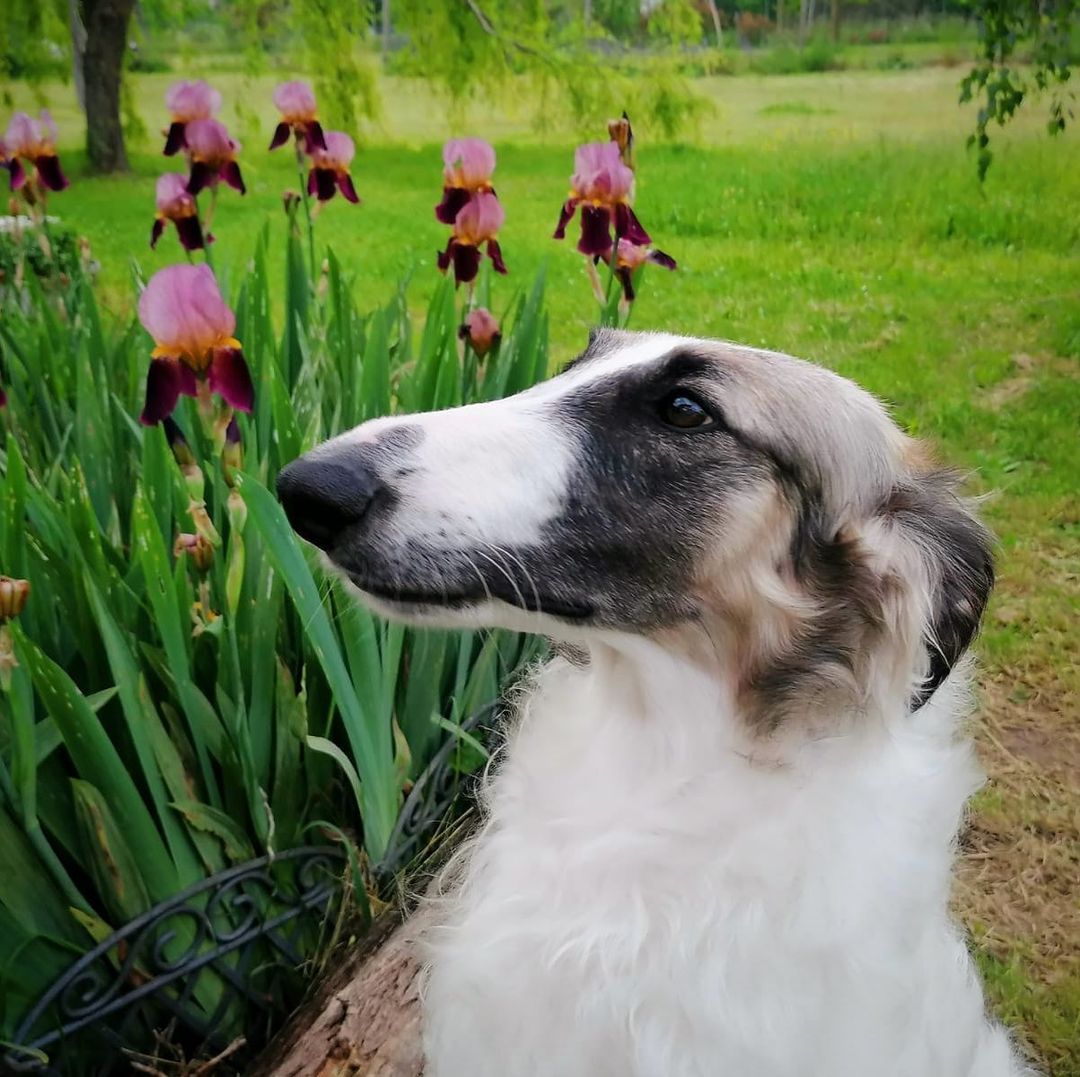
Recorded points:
657,892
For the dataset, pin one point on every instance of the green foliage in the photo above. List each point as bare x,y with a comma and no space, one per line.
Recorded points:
1000,81
335,35
162,723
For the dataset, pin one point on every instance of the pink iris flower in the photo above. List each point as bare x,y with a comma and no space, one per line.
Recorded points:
34,141
296,103
176,205
631,256
192,326
330,168
188,100
481,331
476,225
213,156
603,186
468,164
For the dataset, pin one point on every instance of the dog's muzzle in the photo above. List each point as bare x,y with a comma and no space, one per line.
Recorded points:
322,496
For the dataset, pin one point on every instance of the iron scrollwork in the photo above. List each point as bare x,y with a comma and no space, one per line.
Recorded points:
205,958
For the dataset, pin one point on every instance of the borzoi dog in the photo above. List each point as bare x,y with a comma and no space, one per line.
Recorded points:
718,842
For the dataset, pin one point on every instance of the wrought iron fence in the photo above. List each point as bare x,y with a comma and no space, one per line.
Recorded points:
215,969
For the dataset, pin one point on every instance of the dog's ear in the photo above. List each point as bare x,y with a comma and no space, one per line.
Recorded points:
957,553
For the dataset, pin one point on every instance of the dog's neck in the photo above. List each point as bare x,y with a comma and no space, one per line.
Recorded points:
648,732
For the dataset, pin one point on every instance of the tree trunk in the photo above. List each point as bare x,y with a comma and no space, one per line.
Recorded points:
78,48
365,1022
834,18
780,16
106,23
716,23
386,27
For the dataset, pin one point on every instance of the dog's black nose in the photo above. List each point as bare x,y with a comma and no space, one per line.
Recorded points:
322,495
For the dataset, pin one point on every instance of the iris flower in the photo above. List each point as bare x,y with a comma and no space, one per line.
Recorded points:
13,165
631,256
330,168
296,103
468,165
213,156
34,141
481,331
196,353
602,186
476,225
176,205
187,101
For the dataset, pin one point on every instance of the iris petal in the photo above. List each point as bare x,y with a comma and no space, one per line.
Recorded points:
190,232
50,173
162,390
155,232
661,259
325,183
444,257
453,200
466,263
231,175
494,252
628,227
281,135
565,214
595,230
201,175
230,378
626,279
314,139
174,140
345,186
18,174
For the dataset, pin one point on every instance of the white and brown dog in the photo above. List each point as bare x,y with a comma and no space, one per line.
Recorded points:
719,841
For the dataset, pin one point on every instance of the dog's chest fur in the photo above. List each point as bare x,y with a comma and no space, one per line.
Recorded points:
645,903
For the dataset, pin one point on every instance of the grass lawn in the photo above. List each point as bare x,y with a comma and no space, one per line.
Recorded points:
835,216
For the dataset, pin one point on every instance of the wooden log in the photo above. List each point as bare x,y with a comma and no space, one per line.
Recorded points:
365,1021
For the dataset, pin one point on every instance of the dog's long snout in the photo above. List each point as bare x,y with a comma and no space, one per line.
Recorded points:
322,495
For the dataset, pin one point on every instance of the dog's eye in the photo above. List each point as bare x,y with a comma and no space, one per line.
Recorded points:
684,411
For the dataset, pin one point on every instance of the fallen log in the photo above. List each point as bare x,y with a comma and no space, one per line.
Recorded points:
364,1021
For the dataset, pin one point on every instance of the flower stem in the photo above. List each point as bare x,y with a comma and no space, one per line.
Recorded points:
307,206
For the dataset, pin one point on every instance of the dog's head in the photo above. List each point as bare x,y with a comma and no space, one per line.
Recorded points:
663,483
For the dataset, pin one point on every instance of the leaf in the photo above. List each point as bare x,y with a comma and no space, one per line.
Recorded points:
98,762
224,827
370,745
112,863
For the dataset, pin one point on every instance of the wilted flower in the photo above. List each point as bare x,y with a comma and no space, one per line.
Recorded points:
213,156
17,177
296,103
622,134
481,331
34,141
13,596
186,101
602,185
476,225
192,327
330,168
197,548
176,205
631,256
468,165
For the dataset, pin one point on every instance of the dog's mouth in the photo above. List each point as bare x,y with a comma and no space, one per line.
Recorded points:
526,599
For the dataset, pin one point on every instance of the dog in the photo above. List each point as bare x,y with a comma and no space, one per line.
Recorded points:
719,838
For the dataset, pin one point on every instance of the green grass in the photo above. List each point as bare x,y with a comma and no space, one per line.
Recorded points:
834,216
